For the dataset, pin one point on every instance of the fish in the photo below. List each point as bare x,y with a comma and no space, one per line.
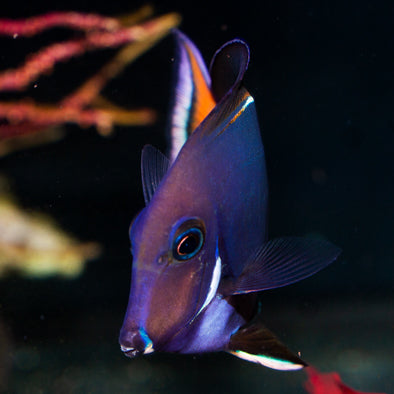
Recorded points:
200,247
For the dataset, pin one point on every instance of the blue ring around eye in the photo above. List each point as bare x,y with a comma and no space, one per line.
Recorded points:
188,244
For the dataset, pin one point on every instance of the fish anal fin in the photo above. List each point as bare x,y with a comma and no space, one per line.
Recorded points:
257,344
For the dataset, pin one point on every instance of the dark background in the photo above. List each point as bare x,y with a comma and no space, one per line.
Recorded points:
322,76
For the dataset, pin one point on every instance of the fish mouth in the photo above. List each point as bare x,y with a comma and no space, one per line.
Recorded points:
132,352
129,351
135,342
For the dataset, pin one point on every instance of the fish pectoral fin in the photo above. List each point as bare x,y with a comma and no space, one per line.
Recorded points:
257,344
281,262
154,165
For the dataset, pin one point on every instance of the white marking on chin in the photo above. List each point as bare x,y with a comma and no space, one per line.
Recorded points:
269,362
214,283
149,349
126,349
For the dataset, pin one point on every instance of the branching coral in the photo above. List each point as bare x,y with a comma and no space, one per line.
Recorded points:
33,244
19,120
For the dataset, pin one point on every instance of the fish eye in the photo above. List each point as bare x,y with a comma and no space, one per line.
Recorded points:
188,243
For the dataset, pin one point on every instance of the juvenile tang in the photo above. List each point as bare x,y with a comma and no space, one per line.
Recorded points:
200,249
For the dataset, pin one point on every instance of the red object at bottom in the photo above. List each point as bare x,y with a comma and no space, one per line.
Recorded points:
327,383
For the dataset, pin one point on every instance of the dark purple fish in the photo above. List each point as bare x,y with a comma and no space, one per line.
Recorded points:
200,249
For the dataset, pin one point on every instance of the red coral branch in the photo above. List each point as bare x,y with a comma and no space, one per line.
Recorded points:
44,61
27,117
72,20
45,116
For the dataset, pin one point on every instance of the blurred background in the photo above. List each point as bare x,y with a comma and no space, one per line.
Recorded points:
322,76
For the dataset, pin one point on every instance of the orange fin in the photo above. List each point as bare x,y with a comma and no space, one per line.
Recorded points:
193,99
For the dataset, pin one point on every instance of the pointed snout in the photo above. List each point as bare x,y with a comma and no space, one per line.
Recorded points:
135,341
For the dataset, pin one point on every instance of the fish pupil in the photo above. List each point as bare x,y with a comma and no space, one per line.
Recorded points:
188,244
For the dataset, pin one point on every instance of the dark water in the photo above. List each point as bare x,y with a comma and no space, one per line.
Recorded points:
323,80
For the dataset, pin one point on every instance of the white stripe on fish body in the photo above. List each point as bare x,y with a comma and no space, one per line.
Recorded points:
214,283
214,327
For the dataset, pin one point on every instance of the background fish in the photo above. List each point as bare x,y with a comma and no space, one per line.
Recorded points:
200,246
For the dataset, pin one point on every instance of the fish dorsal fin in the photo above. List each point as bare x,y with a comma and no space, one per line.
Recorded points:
222,165
228,67
257,344
227,70
281,262
154,166
192,99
